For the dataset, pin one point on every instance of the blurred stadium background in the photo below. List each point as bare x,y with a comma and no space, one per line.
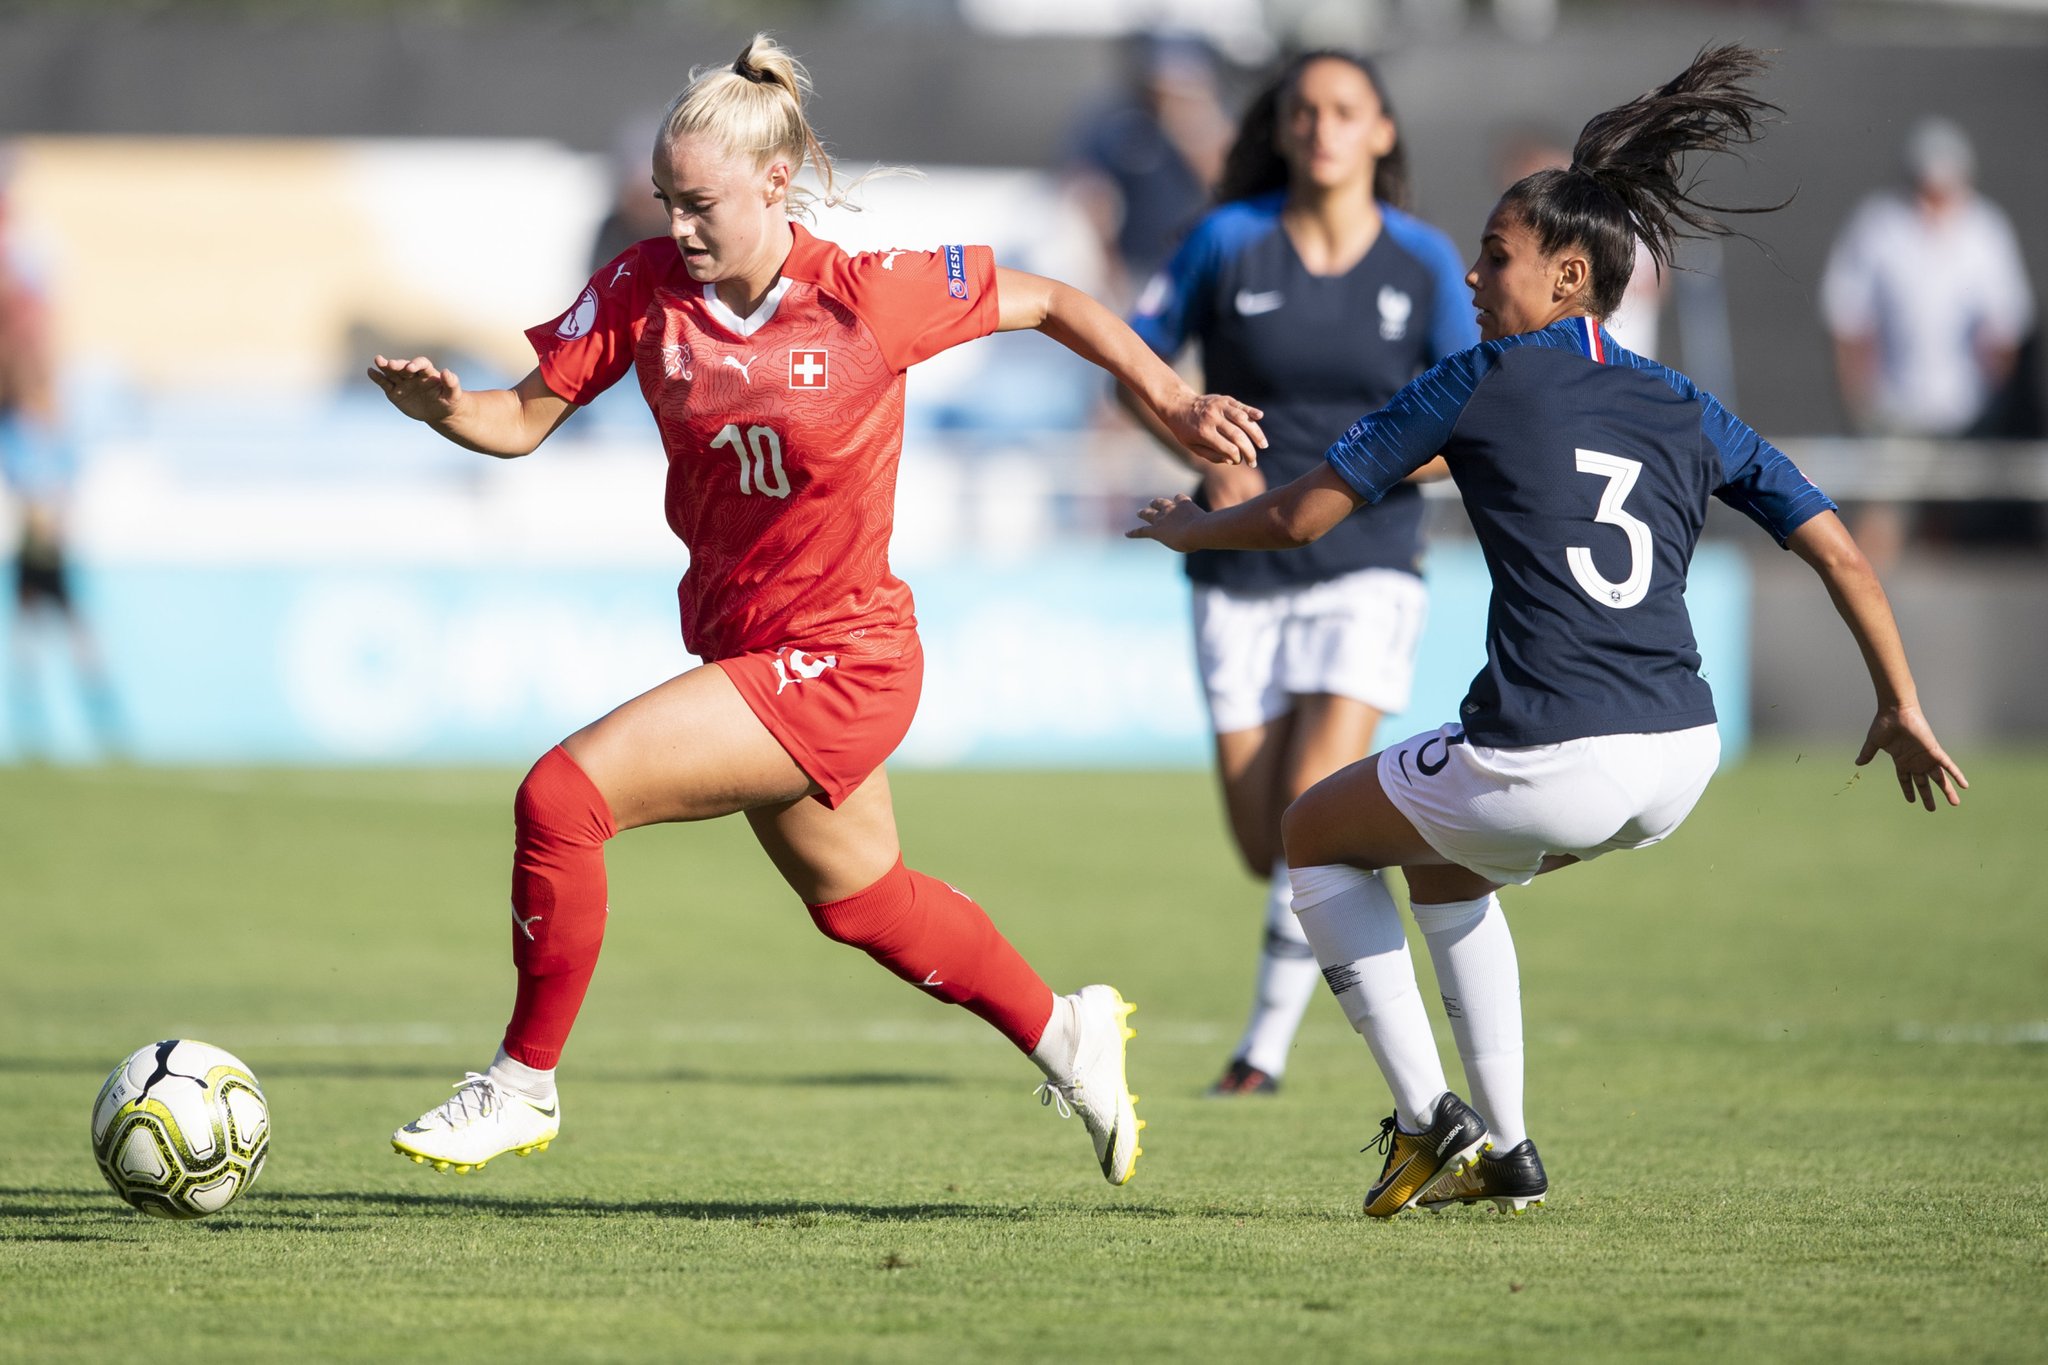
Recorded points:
231,206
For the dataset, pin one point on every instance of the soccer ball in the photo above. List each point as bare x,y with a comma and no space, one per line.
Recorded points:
180,1129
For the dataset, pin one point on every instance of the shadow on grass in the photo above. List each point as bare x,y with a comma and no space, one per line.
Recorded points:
354,1069
88,1215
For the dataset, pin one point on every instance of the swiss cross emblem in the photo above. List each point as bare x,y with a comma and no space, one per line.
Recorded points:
808,370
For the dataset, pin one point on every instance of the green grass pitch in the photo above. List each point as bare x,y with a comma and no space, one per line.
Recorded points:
1789,1073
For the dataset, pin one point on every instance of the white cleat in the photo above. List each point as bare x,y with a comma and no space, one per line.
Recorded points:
483,1120
1097,1090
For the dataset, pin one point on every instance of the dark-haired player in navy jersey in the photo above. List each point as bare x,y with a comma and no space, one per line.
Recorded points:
1586,471
1312,292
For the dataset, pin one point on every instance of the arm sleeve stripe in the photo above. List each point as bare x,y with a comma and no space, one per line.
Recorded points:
1385,447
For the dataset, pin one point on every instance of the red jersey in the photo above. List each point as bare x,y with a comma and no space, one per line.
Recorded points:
783,430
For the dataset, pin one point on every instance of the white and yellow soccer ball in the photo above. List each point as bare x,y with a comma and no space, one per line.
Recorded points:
180,1129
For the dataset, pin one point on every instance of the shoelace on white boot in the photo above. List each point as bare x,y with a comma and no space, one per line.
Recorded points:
1060,1097
476,1097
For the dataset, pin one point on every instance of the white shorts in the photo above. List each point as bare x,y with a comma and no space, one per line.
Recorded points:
1500,812
1354,636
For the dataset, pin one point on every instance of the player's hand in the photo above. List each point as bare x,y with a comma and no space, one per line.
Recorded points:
1168,521
1226,485
1917,757
417,388
1219,429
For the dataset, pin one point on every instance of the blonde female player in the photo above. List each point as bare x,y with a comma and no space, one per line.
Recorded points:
1313,293
774,364
1586,471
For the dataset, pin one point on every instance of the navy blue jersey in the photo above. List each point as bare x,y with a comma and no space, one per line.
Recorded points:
1586,471
1312,351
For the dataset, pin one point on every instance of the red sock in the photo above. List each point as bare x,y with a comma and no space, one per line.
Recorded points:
560,823
936,937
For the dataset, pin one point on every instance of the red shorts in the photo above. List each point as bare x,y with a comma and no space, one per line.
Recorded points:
838,714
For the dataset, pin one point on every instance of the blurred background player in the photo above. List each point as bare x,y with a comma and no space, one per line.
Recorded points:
774,364
1586,471
1927,299
39,467
1142,163
1313,293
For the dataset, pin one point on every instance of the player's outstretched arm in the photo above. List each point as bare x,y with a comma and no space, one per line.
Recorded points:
501,422
1217,428
1283,518
1898,729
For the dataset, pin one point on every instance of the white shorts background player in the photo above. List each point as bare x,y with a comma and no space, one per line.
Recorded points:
1309,285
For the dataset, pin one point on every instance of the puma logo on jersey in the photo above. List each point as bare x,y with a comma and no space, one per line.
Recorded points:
889,258
741,365
1395,307
1250,305
526,925
802,667
620,274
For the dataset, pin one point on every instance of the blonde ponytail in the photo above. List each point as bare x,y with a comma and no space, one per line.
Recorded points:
755,107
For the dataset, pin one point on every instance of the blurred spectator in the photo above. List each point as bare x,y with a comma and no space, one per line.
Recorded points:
1927,300
39,469
1143,162
1926,296
635,214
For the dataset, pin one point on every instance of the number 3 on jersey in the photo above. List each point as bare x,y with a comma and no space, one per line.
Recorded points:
760,455
1621,475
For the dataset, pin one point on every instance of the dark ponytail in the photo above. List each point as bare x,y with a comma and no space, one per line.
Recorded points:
1255,166
1626,181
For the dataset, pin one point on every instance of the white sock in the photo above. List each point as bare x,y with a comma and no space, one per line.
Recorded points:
1482,988
517,1076
1352,923
1286,981
1061,1041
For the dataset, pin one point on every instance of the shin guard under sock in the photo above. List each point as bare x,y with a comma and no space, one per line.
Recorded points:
560,822
1354,926
938,939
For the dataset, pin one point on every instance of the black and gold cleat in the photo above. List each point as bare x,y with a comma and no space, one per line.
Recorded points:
1415,1160
1512,1180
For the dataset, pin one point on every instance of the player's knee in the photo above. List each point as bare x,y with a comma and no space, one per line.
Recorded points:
1298,843
557,803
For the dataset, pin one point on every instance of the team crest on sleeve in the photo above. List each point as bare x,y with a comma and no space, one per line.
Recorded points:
809,369
578,320
956,271
1158,292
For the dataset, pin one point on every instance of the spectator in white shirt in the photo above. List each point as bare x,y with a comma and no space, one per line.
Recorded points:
1926,296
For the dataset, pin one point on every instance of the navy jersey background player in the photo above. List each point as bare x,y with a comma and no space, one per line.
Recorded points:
1585,469
1311,287
1312,352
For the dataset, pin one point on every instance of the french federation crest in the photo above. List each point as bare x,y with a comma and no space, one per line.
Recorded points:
1395,307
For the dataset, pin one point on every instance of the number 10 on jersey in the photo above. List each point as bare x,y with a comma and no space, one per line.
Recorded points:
760,452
